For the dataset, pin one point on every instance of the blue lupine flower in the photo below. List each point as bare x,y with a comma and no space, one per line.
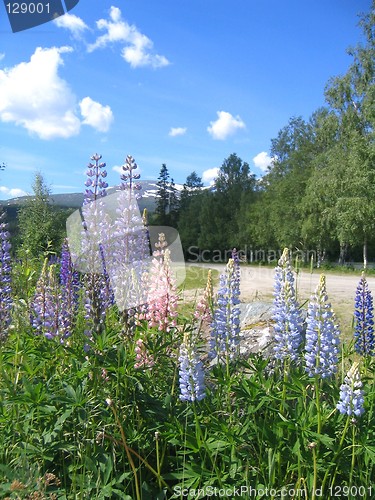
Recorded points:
364,319
322,335
191,372
351,394
286,312
226,322
6,301
69,280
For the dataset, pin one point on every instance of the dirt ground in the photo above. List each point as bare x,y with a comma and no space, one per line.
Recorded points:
257,284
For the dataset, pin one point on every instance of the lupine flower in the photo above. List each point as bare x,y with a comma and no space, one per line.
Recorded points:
45,304
286,312
162,293
69,281
142,359
96,226
364,319
127,253
225,328
203,309
351,394
191,373
6,301
322,335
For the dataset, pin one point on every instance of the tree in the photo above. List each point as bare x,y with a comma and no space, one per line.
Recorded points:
189,213
234,186
40,226
352,99
162,197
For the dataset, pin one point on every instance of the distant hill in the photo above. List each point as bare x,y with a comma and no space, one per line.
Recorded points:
75,200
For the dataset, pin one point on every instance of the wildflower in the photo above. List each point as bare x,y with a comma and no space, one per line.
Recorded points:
351,394
226,322
69,281
127,253
191,373
96,227
322,335
364,319
162,294
45,304
203,310
143,358
286,312
6,301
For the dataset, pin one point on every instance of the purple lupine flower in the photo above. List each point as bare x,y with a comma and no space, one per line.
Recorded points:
129,176
225,328
127,253
351,393
364,319
45,304
95,174
322,335
286,312
69,281
96,226
6,301
191,372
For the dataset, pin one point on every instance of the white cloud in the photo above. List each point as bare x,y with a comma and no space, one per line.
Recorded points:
210,175
138,49
175,131
262,161
2,55
12,192
225,125
95,114
34,96
72,23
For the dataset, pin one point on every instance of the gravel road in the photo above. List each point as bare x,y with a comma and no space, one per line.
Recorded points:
257,283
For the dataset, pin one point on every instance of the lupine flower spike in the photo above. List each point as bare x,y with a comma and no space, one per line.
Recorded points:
322,335
351,394
203,309
286,312
128,256
94,237
162,294
69,281
45,305
364,319
226,323
192,385
5,279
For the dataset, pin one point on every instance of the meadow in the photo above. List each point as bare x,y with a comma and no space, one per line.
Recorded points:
154,401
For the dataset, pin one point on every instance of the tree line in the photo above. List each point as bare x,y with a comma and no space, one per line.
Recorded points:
318,194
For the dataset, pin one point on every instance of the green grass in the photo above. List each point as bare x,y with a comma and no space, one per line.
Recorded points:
196,277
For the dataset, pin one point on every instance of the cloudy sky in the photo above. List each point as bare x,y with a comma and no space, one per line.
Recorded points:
184,83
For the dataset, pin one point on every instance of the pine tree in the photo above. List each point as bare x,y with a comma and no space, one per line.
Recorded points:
162,200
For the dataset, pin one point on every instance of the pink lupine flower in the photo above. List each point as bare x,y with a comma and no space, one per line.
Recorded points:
143,359
162,294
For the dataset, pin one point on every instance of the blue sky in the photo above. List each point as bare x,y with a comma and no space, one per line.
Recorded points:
180,82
